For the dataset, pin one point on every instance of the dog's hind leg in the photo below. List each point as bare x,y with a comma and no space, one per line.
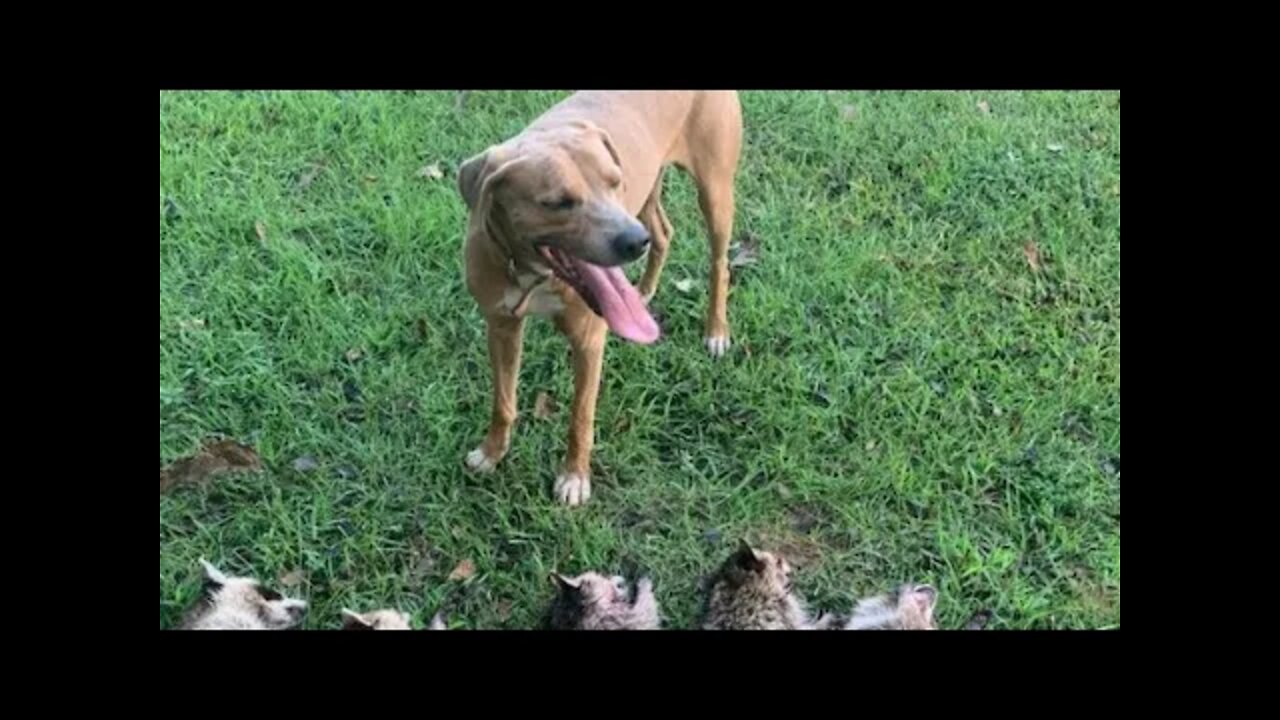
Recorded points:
654,219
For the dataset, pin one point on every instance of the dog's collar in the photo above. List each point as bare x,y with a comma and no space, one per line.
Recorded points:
513,276
513,273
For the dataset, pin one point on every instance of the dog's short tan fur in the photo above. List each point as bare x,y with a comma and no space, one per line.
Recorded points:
582,173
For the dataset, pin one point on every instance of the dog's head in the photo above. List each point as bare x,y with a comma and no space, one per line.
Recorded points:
553,200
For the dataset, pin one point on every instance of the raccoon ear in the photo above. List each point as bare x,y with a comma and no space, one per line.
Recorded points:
566,583
213,577
747,558
352,620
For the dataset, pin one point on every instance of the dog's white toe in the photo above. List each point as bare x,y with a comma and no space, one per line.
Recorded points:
573,489
717,345
479,462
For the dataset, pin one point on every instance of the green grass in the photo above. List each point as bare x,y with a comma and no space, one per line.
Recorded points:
905,399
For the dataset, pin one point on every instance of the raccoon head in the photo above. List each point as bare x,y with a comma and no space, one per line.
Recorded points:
764,570
247,596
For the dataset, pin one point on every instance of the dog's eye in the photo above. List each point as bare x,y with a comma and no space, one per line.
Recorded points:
563,203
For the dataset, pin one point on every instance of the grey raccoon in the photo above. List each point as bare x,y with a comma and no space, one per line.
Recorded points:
383,620
752,591
237,603
908,607
592,601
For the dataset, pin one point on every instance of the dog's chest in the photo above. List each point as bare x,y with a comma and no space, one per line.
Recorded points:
537,295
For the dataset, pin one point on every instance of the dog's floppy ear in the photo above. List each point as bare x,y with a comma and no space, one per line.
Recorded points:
605,138
471,176
477,179
608,145
478,175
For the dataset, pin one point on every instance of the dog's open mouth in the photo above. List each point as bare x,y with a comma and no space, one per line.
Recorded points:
607,292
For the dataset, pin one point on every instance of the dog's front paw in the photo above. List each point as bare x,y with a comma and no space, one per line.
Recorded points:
573,489
717,345
479,461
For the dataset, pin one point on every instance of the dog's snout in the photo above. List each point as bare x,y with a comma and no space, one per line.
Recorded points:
632,242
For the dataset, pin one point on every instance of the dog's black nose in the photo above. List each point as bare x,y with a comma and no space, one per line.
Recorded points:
631,243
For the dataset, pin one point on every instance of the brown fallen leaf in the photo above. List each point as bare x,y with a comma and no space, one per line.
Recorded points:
464,570
984,107
431,172
745,252
261,229
1032,251
215,457
684,285
293,578
545,406
371,178
503,610
191,324
848,112
353,355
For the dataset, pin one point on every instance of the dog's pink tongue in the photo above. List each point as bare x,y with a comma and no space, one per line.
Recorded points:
620,304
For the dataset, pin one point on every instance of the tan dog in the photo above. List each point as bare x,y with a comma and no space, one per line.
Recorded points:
555,212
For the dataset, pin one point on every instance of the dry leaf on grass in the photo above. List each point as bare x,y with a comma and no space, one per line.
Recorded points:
848,112
1032,251
984,107
685,285
431,172
215,457
503,610
192,324
545,406
261,229
1055,147
353,354
464,570
371,178
745,252
293,578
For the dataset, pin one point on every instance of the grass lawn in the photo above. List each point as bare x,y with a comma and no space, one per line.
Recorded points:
924,383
